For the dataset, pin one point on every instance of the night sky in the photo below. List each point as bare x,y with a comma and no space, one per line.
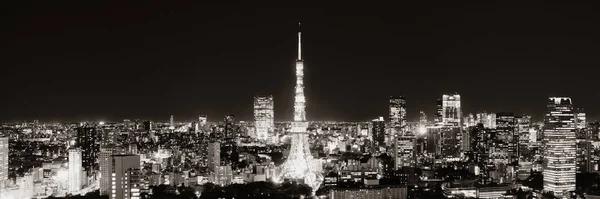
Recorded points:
79,60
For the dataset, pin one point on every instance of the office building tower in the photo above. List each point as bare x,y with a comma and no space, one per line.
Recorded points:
398,113
470,120
125,177
172,122
487,119
263,116
451,139
105,163
451,110
404,141
229,126
480,144
87,140
439,113
214,155
524,132
4,150
560,147
506,130
229,154
580,120
109,137
433,146
404,150
75,171
378,134
584,157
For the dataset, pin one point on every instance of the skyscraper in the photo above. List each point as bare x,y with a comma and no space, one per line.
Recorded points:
105,162
75,171
507,132
560,147
124,184
300,164
580,120
229,155
229,126
4,150
451,110
87,140
378,133
214,155
398,112
263,116
403,140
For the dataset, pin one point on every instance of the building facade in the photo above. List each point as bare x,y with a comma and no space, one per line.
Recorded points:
263,116
75,171
560,147
87,140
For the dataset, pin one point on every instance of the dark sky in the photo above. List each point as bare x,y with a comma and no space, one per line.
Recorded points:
80,60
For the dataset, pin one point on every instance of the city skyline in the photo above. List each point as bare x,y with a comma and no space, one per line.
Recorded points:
354,62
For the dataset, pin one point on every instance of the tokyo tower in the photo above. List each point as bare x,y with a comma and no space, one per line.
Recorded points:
300,164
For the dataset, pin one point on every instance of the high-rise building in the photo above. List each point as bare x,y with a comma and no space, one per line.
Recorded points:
398,113
580,120
404,141
229,126
404,150
300,164
470,120
4,150
524,132
109,137
451,139
87,140
105,162
229,155
451,110
125,177
439,113
506,130
214,155
263,116
487,119
378,133
75,171
172,122
560,147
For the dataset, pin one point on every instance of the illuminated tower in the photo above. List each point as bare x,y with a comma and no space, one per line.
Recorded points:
402,139
75,171
87,140
263,116
300,165
398,112
559,143
451,111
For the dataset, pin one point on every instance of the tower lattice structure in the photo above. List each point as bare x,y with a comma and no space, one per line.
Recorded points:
300,164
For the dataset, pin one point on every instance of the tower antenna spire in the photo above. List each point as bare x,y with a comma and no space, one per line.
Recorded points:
299,43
